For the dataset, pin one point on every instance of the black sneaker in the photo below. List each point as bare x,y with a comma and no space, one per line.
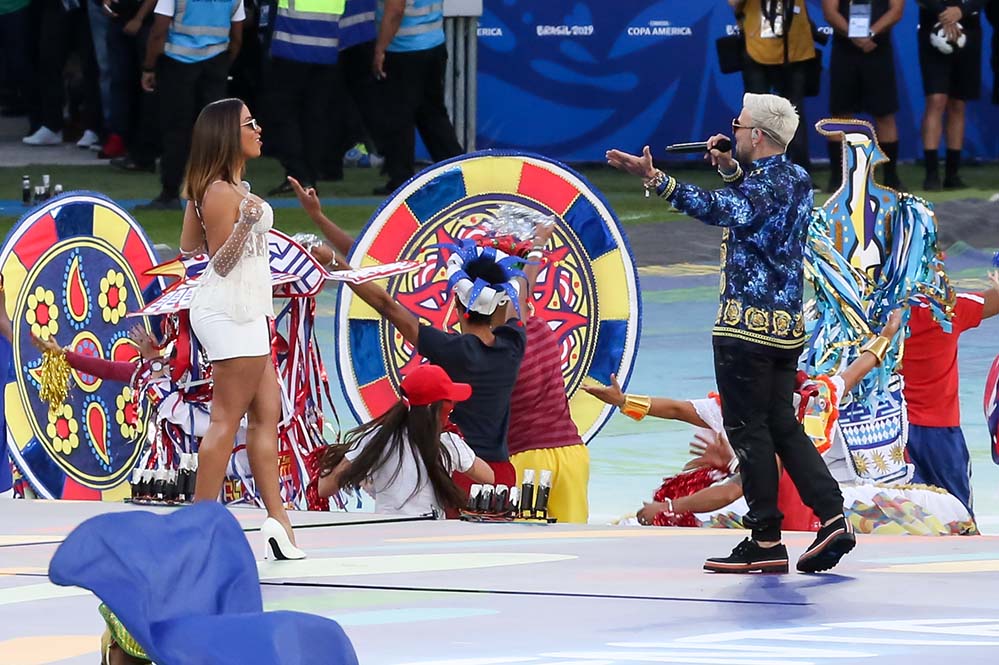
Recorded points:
829,546
161,202
954,182
748,557
932,182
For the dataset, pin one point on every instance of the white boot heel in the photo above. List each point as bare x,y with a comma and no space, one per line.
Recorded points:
277,544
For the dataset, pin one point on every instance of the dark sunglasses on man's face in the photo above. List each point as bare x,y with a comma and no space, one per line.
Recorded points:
252,122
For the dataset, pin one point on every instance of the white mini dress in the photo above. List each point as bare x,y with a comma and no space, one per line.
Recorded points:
230,314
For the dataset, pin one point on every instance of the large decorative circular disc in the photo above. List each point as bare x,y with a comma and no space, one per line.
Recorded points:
72,269
589,296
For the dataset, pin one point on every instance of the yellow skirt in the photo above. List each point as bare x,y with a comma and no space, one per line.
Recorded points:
570,466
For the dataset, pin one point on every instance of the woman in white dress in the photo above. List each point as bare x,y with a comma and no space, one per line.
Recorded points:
231,308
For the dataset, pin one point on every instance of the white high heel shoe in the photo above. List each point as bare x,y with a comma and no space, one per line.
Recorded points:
277,544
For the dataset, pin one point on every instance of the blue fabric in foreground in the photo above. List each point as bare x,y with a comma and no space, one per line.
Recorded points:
185,586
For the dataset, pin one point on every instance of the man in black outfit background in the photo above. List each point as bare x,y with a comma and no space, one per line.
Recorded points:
862,76
949,82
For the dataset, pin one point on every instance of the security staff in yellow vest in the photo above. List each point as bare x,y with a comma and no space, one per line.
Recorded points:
409,62
300,79
779,45
191,47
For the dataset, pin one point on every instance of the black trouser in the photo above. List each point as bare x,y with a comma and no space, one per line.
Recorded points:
412,95
184,88
756,394
789,81
134,112
353,108
15,47
62,33
299,108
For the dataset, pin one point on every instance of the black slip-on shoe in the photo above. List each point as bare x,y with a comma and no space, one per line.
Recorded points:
748,557
829,546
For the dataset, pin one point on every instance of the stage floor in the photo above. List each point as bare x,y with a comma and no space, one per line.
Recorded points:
453,593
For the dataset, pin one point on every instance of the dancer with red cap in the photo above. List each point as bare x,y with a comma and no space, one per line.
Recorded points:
406,456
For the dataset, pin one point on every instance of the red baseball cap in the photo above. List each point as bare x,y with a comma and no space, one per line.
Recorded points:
429,383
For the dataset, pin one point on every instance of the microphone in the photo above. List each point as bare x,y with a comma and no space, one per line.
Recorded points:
724,145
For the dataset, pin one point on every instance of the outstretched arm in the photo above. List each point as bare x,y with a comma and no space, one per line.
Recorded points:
108,370
309,201
661,407
991,306
706,500
543,234
858,369
404,321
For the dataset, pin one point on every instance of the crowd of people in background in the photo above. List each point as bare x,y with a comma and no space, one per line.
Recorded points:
127,78
780,55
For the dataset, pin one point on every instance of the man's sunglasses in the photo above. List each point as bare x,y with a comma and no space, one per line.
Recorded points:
737,125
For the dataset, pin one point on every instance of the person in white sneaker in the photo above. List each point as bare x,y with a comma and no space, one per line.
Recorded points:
64,30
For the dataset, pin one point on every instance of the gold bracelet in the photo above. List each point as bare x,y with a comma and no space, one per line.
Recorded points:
636,407
729,178
668,188
878,346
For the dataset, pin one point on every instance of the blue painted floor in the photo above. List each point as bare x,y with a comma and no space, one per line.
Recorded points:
453,593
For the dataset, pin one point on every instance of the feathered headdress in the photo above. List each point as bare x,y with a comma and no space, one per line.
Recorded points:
478,295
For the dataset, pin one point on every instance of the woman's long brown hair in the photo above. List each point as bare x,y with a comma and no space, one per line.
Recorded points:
216,149
387,441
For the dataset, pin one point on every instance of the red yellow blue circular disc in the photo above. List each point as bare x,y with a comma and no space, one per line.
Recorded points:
589,296
72,269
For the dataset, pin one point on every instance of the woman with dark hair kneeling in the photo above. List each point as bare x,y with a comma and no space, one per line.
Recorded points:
231,308
406,456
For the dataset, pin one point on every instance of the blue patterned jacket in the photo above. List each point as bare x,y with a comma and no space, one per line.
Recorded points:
765,216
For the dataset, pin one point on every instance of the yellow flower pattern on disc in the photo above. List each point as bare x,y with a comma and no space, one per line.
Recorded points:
113,296
128,414
63,430
42,314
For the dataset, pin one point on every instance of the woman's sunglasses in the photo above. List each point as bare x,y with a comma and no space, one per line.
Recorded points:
252,122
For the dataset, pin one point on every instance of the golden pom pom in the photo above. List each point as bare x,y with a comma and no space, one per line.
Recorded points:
54,377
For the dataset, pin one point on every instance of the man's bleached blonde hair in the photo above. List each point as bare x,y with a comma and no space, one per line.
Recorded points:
775,116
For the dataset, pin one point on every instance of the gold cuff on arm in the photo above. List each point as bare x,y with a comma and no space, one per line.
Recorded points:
878,346
636,407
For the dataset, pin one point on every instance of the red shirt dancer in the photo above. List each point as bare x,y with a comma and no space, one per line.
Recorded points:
542,435
936,444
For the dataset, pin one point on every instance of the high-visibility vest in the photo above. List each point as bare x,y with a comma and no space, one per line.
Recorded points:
307,30
422,25
357,25
200,29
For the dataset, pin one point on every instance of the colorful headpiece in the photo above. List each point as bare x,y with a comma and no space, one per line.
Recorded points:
117,632
478,295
